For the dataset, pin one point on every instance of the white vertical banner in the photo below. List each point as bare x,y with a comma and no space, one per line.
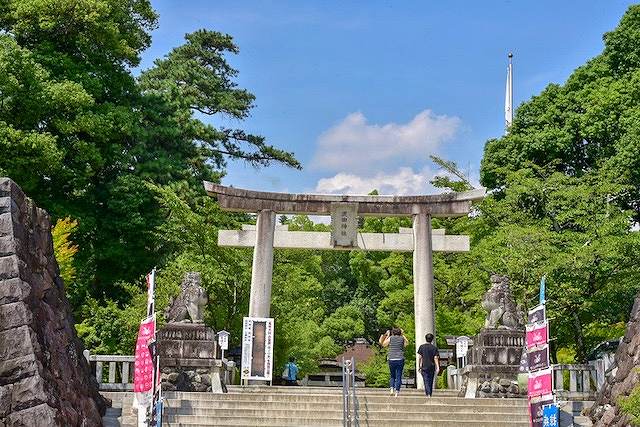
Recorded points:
151,292
257,348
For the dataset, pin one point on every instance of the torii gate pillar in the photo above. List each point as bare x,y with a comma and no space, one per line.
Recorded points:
262,267
423,299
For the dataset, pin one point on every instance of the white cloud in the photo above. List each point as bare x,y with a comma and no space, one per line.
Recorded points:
356,146
404,181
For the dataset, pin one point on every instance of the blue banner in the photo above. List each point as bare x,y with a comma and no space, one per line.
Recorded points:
158,418
542,290
551,416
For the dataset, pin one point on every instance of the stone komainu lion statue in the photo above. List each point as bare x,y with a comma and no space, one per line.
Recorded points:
502,308
190,303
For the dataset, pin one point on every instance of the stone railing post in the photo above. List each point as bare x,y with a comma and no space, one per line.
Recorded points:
573,381
452,382
558,379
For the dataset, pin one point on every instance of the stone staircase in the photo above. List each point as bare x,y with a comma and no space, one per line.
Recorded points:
316,406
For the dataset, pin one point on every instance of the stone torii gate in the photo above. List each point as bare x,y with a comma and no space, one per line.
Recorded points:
344,211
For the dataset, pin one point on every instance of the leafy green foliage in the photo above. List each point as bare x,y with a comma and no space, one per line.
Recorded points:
630,405
83,137
196,78
65,252
376,371
110,329
344,324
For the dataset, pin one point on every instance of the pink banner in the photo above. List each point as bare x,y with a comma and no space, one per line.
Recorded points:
540,383
537,334
143,376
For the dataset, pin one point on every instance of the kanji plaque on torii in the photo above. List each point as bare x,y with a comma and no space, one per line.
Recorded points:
344,225
345,210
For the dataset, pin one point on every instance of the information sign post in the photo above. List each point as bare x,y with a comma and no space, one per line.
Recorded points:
223,341
257,349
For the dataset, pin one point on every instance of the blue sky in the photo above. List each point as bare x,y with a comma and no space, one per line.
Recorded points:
363,92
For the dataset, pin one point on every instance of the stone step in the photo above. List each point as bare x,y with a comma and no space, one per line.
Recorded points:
337,398
330,390
390,404
241,409
321,418
240,420
315,407
311,414
373,402
114,395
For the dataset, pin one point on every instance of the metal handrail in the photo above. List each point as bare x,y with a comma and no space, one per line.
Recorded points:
346,414
350,406
356,406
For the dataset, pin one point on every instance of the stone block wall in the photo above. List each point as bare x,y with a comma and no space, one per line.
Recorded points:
44,379
624,376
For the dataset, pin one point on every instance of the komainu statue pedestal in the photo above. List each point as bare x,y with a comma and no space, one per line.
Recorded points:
494,361
186,346
188,358
494,364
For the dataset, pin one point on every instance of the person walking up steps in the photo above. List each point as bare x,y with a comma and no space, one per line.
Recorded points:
396,341
429,363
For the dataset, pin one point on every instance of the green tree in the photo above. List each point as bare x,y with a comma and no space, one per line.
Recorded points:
344,324
83,137
196,78
565,195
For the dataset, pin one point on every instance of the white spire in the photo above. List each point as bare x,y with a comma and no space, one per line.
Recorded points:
508,97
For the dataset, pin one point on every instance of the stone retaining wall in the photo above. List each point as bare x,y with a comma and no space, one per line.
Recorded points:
44,379
623,378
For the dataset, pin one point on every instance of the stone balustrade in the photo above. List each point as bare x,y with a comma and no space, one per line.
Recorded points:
115,372
581,385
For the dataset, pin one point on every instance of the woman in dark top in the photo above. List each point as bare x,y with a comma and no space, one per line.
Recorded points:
396,341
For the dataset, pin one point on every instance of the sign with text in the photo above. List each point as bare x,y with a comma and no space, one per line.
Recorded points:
540,382
536,409
462,346
537,334
344,225
538,358
223,340
257,348
551,416
537,314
